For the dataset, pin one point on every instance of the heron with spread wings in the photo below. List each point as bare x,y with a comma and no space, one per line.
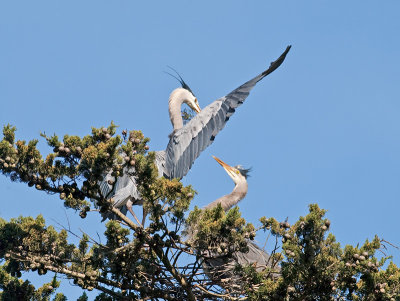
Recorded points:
219,267
186,141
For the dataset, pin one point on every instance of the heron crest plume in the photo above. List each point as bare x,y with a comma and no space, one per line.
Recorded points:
180,79
245,172
188,141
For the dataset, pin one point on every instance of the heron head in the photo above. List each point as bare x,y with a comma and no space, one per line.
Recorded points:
182,95
189,98
192,102
237,173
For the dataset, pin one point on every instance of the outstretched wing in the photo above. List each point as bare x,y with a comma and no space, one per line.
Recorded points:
186,144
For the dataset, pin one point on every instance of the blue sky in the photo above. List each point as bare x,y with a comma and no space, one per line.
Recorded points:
322,128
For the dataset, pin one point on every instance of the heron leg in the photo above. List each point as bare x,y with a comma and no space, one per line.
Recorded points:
129,206
144,216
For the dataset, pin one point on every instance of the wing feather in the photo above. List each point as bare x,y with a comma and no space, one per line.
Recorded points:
186,144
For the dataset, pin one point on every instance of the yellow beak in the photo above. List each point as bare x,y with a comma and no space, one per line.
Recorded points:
229,169
223,164
196,107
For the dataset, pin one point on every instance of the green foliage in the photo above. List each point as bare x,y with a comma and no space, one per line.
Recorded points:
83,297
60,297
317,268
163,261
16,289
104,297
187,115
217,231
167,197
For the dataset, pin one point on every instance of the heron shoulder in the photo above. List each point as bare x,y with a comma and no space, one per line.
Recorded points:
195,125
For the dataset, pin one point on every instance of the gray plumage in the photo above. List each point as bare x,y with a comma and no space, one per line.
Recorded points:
219,267
186,142
125,193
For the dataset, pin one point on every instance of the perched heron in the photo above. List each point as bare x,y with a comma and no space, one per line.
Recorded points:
220,267
186,141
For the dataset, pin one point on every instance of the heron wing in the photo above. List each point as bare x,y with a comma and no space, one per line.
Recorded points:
186,144
219,267
255,256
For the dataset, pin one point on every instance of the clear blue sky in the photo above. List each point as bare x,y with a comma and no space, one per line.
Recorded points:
322,128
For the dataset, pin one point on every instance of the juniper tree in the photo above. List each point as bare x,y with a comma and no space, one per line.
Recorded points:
157,262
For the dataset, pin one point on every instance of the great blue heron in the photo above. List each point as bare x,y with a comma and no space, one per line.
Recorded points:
186,142
220,266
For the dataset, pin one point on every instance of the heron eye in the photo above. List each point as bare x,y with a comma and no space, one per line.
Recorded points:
237,171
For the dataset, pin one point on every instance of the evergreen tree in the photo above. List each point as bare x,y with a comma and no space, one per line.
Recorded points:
158,262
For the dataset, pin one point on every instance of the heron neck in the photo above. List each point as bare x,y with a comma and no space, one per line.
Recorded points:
174,108
230,200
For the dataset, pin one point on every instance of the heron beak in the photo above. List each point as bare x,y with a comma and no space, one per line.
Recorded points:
196,107
227,168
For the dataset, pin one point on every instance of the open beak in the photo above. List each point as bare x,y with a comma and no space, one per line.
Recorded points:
227,168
